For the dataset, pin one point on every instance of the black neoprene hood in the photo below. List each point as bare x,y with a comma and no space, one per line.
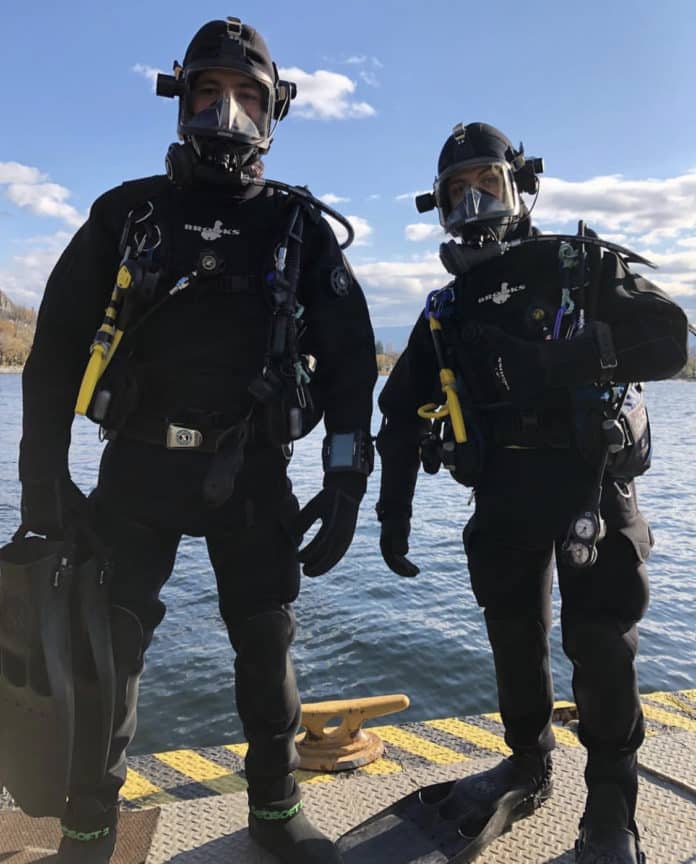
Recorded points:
475,141
214,46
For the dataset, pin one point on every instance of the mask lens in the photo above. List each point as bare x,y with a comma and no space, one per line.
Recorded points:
236,109
478,192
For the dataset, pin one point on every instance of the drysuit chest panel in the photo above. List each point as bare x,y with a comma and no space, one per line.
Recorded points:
202,348
520,292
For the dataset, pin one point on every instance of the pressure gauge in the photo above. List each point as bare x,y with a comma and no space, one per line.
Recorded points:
580,546
585,527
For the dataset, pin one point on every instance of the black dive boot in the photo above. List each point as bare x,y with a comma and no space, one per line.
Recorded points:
608,832
605,845
282,828
78,850
486,805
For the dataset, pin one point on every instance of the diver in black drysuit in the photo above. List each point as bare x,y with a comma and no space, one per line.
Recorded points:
189,365
533,422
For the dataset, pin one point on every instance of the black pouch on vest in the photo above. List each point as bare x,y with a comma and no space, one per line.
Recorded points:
288,410
116,396
635,456
465,460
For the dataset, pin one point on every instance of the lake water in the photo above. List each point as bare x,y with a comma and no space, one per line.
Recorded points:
362,630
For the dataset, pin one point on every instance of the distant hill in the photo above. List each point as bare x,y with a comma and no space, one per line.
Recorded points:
17,325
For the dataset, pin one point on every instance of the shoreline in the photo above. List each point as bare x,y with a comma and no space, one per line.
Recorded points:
7,370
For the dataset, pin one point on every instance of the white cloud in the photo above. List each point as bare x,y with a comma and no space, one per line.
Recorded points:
149,72
651,209
27,187
24,280
45,199
396,290
325,94
368,72
332,199
369,78
361,227
423,231
14,172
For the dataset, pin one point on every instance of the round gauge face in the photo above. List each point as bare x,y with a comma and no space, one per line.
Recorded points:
584,528
579,553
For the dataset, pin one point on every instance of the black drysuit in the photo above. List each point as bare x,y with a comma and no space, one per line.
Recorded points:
541,466
191,363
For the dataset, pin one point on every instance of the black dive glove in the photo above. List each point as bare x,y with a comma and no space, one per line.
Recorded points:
393,543
520,368
337,506
54,507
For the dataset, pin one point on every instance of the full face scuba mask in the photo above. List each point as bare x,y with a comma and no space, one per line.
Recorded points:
482,190
236,108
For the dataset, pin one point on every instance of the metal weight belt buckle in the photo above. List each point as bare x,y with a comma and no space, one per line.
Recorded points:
183,438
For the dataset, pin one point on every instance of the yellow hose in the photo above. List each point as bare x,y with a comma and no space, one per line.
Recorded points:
93,372
453,408
453,405
105,342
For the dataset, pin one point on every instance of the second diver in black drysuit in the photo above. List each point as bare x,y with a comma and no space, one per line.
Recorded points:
538,339
231,290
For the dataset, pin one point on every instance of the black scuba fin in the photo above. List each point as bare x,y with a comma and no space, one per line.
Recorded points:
47,602
451,822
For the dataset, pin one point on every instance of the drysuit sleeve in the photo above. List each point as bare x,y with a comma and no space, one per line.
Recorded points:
70,313
413,382
649,330
339,333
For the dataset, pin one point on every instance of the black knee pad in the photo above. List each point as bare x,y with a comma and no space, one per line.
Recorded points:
599,641
508,581
263,640
128,640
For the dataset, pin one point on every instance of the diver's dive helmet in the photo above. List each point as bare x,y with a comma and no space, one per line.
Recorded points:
478,184
223,138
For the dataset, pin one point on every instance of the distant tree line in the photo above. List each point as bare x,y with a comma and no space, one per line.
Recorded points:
689,371
17,325
386,359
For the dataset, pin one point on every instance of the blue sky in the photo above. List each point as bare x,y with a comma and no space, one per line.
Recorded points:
605,92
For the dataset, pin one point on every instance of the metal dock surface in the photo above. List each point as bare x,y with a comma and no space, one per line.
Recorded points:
203,807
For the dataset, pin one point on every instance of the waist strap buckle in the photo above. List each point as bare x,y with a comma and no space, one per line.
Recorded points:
183,437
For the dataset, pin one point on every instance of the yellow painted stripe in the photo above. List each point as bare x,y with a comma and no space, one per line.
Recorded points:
471,733
418,746
672,700
668,718
237,749
137,786
193,765
228,783
381,766
312,778
496,717
565,736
